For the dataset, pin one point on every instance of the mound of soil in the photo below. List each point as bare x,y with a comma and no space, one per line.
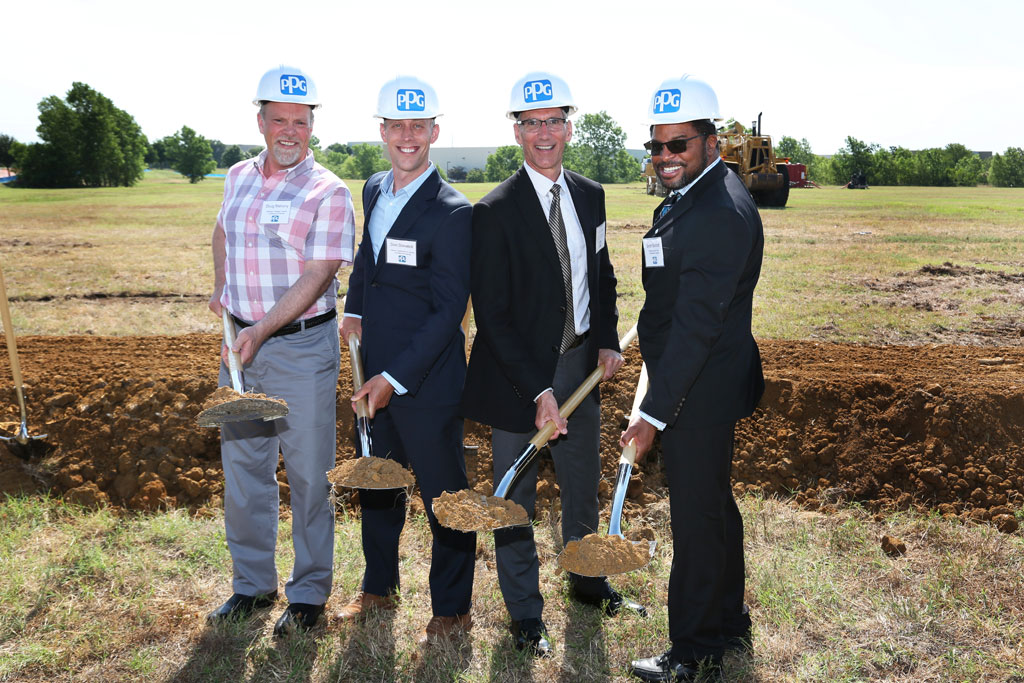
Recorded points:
596,555
467,510
371,473
893,427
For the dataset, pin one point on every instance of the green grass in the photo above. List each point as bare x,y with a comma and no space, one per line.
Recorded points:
101,595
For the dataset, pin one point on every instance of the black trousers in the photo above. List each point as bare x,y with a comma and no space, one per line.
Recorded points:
705,587
429,441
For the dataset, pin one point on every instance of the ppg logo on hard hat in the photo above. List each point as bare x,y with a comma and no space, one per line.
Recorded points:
537,91
292,84
667,101
410,99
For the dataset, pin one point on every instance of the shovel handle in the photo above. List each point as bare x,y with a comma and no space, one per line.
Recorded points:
566,409
234,362
12,348
362,405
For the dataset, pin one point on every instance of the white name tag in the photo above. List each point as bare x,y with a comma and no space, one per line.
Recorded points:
654,255
276,213
401,252
599,241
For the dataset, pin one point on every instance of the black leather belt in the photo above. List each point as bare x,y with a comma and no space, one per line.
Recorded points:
292,328
579,340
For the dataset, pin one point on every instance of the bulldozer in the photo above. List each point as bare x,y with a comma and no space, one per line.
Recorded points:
751,157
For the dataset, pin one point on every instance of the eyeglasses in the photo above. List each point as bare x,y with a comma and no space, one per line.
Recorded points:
533,125
677,146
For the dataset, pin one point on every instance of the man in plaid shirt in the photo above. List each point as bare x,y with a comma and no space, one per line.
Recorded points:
284,228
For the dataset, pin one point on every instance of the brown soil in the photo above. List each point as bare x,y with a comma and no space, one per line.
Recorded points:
470,511
371,473
892,427
596,555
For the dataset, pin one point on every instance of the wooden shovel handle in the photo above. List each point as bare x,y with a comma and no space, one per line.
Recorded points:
566,409
12,344
234,361
362,405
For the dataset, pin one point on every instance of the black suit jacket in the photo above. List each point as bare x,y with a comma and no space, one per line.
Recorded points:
519,299
412,314
694,328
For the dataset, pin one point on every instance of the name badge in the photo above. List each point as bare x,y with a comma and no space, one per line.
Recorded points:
401,252
599,241
654,254
276,213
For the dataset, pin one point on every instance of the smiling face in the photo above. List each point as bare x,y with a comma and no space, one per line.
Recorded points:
543,148
679,170
286,127
408,142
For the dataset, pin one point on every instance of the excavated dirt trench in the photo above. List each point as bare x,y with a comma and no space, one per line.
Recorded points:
930,427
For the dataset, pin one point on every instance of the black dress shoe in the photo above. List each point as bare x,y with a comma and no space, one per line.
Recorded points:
239,606
531,634
613,602
298,616
664,668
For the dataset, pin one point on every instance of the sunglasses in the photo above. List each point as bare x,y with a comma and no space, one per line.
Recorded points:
677,146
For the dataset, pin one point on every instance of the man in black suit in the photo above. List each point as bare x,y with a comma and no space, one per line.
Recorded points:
544,303
406,297
702,259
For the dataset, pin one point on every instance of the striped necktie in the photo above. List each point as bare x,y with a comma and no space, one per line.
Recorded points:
557,226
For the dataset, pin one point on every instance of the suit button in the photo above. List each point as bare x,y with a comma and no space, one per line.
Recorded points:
561,309
555,349
375,285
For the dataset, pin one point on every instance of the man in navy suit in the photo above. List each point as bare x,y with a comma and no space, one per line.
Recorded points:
406,298
701,263
544,304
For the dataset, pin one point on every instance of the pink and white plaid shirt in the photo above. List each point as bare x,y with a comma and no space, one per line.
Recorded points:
274,225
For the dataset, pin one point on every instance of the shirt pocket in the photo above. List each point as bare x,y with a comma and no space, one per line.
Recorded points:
290,236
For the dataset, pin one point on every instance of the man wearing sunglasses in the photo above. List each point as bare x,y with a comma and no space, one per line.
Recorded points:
544,302
701,262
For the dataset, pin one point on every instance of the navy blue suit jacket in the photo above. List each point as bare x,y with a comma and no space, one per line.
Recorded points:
694,328
411,314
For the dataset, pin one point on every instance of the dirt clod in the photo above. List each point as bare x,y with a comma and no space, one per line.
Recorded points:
371,473
597,555
893,547
468,510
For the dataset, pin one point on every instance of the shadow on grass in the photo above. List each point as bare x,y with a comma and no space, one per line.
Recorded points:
370,651
220,652
586,652
509,665
444,661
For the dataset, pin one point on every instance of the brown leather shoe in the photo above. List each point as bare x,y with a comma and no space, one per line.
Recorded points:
363,603
445,629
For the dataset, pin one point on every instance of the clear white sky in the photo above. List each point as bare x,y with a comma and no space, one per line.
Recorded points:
913,73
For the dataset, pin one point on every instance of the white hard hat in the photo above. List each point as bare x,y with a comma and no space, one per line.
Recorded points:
407,97
539,90
287,84
683,99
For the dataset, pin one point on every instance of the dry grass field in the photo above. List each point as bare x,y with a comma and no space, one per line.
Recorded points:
109,593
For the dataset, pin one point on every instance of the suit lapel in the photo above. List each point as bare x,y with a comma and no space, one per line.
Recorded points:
535,223
406,220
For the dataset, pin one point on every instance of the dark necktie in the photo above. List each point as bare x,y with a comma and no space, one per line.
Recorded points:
672,199
557,226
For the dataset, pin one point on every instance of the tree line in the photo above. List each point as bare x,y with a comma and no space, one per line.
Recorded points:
949,166
86,141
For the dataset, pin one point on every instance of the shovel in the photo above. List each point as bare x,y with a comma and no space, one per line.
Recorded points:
544,435
245,407
363,421
622,484
21,444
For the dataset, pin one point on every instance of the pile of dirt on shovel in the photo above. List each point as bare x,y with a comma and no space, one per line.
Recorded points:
927,427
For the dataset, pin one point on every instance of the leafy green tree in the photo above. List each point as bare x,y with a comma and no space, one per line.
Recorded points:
366,160
218,148
232,155
505,161
968,171
798,151
855,156
340,148
7,143
476,175
457,174
597,141
627,168
192,156
1007,169
86,140
254,152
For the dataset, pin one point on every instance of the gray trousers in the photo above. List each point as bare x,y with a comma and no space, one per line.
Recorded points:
301,368
577,461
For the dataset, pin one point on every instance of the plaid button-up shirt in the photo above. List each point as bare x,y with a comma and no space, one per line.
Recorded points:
272,226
